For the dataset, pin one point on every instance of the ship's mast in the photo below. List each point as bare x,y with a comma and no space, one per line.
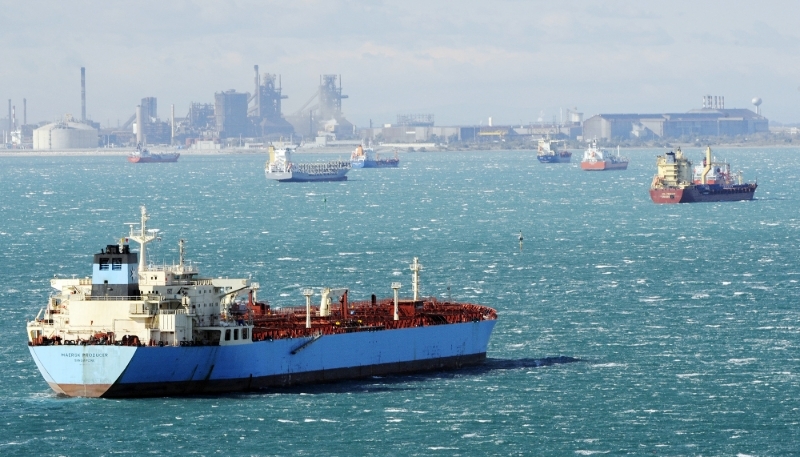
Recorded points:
142,238
415,268
180,248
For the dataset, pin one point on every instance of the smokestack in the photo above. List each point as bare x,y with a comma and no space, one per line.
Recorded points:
138,125
9,114
24,111
83,94
14,116
258,93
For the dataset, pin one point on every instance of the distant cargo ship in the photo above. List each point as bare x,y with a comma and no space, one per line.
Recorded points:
367,158
553,151
281,168
710,182
143,155
596,159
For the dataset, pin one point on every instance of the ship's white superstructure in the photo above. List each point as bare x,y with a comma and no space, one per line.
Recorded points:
129,301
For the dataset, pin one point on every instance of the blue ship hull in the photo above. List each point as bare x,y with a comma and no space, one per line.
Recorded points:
553,158
388,163
381,163
120,371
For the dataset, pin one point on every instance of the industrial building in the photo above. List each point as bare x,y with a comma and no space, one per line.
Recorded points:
230,114
322,113
66,134
712,120
265,113
419,128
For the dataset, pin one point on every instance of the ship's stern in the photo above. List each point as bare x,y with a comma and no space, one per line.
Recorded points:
666,195
82,371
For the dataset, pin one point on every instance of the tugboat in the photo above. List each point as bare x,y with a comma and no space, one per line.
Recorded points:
143,155
138,330
553,151
281,168
710,182
596,159
366,158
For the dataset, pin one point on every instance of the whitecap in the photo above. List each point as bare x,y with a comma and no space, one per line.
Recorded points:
742,361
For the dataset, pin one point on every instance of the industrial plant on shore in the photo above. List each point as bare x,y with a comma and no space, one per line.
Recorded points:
252,120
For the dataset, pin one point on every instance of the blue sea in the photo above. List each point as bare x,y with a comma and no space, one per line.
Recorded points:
625,327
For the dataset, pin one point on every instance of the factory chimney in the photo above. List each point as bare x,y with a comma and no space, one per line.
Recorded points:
83,94
14,116
258,93
138,125
9,114
172,123
24,111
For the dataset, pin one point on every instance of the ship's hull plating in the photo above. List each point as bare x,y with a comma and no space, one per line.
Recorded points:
154,159
120,371
295,176
553,159
604,165
699,194
388,163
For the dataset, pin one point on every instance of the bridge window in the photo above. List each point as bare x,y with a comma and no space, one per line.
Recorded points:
103,264
236,334
116,264
228,335
244,334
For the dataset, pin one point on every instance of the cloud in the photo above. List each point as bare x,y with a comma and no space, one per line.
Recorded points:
456,59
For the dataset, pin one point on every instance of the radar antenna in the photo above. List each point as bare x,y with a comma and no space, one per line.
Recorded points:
142,238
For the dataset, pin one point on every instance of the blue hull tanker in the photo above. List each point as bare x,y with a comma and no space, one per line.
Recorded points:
366,158
124,371
552,151
136,331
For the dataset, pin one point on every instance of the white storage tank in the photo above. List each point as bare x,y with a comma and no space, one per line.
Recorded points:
65,135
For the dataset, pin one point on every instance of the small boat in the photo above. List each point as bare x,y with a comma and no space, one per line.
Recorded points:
596,159
143,155
367,158
281,168
552,151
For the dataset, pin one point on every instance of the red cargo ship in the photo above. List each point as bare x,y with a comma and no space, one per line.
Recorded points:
711,182
595,159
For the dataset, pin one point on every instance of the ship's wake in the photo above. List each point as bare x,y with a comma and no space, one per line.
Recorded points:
514,364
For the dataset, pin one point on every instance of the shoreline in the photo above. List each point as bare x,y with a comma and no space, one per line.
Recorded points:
123,152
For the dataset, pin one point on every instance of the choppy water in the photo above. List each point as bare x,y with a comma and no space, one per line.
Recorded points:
625,327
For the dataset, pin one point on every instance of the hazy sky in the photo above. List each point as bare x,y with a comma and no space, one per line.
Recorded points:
463,61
